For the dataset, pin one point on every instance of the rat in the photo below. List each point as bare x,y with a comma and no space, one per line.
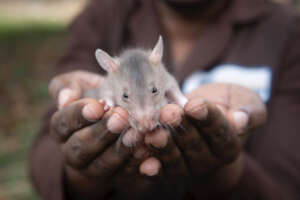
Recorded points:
138,81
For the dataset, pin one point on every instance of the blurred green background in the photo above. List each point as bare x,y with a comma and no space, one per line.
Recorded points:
32,38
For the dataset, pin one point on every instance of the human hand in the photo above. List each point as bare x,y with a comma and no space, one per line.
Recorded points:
68,87
88,134
80,128
207,137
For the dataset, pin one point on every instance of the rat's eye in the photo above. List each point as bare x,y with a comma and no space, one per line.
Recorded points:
154,90
125,95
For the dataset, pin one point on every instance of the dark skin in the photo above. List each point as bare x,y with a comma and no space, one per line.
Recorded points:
206,153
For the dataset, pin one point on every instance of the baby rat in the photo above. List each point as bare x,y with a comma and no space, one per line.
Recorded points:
138,81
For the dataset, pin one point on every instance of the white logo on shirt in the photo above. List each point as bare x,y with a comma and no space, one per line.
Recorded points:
256,78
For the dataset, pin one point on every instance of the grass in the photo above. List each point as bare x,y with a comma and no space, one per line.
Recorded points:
28,52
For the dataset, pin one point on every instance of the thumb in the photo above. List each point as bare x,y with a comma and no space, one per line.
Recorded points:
68,87
68,95
247,118
64,93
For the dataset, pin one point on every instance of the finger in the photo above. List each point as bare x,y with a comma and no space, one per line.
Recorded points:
235,97
143,183
118,120
56,85
131,168
219,134
249,117
240,120
247,101
64,91
171,156
131,138
84,145
68,87
83,78
193,147
88,79
174,168
141,151
150,167
171,115
109,162
74,117
196,152
158,139
68,95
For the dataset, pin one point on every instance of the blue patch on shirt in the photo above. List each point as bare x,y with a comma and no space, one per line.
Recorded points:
257,78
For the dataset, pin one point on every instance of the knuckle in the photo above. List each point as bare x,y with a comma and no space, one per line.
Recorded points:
60,125
76,154
67,120
83,145
104,165
54,125
54,85
196,144
108,162
100,168
231,154
229,151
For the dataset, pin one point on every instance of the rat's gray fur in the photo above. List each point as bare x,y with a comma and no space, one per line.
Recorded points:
136,75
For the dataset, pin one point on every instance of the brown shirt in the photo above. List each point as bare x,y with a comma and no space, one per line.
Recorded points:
249,33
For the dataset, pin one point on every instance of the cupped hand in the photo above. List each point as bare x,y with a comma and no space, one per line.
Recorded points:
203,146
87,138
88,133
68,87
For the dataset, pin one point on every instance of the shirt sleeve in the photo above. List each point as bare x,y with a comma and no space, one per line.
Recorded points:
101,25
46,163
273,161
83,38
98,26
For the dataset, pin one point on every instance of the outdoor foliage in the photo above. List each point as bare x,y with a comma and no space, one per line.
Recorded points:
28,52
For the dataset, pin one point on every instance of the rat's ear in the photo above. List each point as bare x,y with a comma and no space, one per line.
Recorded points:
106,61
157,52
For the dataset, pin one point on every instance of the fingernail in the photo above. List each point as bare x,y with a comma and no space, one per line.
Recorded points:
102,101
106,108
174,119
158,139
130,138
241,119
89,112
64,96
150,167
171,115
116,123
198,109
